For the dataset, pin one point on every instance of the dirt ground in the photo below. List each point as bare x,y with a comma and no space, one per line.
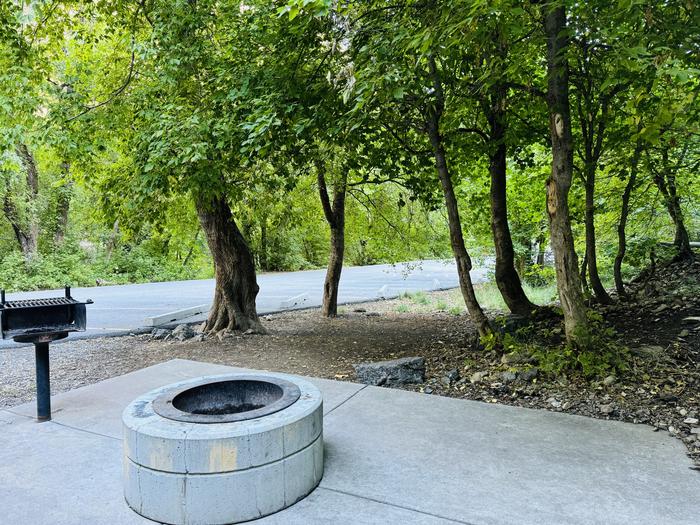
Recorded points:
661,388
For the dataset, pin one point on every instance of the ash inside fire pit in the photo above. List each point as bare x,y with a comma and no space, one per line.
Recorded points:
227,401
228,397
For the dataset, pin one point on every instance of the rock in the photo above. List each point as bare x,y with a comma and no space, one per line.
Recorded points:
182,332
695,430
477,377
225,334
201,327
451,377
690,421
395,372
554,402
661,308
528,374
508,377
683,333
609,380
515,358
691,320
654,351
667,397
198,338
160,333
427,390
606,409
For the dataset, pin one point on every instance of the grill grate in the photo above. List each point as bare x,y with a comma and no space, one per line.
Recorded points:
33,303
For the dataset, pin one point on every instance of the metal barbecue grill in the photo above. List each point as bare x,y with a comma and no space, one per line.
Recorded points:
41,321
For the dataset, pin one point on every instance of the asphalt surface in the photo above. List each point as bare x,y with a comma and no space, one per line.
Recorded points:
123,309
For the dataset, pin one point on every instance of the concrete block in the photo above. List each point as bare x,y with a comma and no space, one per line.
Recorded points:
296,301
177,315
157,495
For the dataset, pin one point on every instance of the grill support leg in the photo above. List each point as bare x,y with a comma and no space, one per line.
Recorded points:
43,385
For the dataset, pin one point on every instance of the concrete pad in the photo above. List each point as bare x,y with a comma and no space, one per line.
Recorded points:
99,409
391,457
494,464
52,475
327,507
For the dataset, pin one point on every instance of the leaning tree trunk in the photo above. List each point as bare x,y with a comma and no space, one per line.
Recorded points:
507,278
622,224
559,183
236,286
464,263
591,255
335,216
665,180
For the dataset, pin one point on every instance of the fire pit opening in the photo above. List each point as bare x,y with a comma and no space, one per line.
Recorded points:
227,401
228,397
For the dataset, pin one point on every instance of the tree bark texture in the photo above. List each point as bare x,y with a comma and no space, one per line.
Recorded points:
464,263
559,183
236,286
335,216
622,224
26,229
665,180
591,255
507,278
63,199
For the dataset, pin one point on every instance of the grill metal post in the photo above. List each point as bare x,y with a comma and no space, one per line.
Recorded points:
43,384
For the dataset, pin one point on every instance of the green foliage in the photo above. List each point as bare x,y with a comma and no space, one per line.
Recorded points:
600,353
73,266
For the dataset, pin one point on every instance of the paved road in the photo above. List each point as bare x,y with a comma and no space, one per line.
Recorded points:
124,309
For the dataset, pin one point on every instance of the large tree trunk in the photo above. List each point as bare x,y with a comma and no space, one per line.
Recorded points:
507,278
335,216
236,285
559,183
464,263
591,255
65,193
622,224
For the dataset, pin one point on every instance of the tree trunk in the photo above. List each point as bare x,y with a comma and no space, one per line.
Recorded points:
591,256
464,263
584,269
559,183
26,230
665,180
63,199
335,216
507,278
622,225
236,286
541,247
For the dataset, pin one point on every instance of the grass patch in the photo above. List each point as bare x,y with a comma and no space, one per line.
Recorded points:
490,297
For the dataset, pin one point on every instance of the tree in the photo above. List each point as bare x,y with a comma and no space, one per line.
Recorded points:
558,185
334,212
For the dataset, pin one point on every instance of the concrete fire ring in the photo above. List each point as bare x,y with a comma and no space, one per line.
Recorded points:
183,472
